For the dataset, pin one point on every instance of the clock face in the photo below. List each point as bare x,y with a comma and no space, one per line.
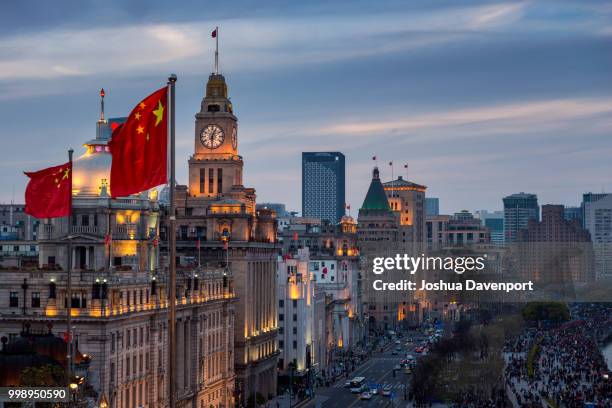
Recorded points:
212,136
234,139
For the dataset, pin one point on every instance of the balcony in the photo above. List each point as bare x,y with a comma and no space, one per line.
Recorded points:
125,231
84,229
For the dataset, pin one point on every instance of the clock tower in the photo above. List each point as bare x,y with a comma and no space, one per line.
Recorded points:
215,165
219,224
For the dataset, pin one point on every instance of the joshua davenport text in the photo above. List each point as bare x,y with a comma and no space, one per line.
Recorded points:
468,285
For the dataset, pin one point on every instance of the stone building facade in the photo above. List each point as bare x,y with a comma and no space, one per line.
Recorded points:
218,224
119,296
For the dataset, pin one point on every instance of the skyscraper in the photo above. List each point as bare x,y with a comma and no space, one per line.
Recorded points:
323,185
432,206
571,213
518,210
597,212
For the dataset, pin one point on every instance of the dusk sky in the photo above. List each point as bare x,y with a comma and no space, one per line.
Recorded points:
481,99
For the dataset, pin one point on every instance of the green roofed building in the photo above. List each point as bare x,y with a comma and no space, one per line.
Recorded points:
376,198
377,236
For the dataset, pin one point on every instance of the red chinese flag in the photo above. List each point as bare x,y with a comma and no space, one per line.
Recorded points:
48,194
214,33
139,147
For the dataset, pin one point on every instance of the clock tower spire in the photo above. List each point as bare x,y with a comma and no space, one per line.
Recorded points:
215,165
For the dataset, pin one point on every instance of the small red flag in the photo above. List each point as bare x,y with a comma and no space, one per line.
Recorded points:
214,33
225,245
49,192
155,241
139,147
295,236
107,239
198,244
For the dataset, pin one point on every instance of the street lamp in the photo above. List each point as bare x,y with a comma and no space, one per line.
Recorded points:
73,389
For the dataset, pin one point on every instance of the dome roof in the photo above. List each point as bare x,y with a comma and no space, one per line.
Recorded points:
92,170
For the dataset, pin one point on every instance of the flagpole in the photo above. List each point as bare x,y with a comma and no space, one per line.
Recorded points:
69,281
217,50
392,180
172,254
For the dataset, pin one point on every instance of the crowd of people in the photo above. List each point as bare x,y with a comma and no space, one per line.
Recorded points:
496,398
562,366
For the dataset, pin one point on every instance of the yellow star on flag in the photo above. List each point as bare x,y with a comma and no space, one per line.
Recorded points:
140,130
137,115
142,105
159,113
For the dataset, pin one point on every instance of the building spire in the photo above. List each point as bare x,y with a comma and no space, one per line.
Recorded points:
102,94
215,35
101,124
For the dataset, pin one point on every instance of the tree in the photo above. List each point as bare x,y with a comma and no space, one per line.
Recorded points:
546,311
45,376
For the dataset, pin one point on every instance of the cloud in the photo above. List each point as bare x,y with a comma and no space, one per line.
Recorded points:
501,14
529,114
252,43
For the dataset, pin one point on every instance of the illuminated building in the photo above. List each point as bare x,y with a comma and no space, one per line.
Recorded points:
218,223
119,298
301,316
333,266
377,236
407,201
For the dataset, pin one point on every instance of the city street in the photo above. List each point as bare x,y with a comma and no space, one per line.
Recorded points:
377,370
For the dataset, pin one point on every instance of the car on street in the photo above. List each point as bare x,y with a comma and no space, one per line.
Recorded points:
374,391
361,388
365,396
347,384
386,391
